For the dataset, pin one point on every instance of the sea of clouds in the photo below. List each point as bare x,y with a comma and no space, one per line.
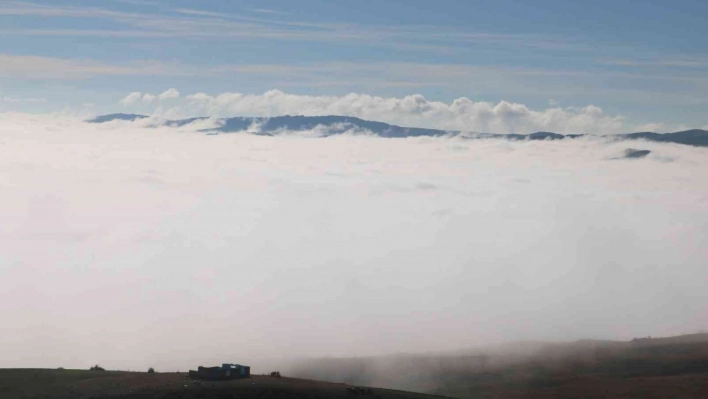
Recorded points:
132,246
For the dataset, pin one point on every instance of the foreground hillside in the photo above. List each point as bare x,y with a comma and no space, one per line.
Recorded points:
61,384
675,367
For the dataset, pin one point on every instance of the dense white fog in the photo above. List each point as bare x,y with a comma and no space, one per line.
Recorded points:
134,247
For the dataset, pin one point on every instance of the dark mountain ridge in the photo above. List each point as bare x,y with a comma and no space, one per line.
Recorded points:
340,124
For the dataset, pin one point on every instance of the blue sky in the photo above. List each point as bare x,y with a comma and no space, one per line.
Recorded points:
646,63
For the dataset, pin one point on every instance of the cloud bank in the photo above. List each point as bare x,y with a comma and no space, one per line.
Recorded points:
165,247
135,96
415,110
169,94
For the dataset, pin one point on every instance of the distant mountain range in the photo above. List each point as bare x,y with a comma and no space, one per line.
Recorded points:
340,124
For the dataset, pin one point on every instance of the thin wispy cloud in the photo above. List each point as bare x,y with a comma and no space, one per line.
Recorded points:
500,63
34,67
264,11
200,13
440,40
411,36
34,9
22,100
682,61
369,76
140,2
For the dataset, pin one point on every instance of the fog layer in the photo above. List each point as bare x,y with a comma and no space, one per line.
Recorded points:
134,247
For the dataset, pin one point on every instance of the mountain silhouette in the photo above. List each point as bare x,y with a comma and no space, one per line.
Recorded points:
118,117
334,124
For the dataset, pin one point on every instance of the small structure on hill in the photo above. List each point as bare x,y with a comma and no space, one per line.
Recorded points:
227,371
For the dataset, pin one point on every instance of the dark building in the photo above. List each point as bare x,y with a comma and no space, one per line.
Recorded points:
225,372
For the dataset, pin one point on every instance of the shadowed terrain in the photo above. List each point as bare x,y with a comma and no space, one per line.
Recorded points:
675,367
61,384
641,368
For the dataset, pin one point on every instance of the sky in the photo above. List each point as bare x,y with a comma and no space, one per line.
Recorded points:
136,244
643,66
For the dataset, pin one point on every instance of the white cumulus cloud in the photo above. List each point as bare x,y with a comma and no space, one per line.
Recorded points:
148,98
415,110
169,94
131,98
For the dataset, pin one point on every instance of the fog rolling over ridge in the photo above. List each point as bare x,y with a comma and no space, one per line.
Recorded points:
593,368
324,126
134,246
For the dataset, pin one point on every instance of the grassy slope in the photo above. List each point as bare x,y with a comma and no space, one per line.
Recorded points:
673,367
43,383
55,384
658,368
